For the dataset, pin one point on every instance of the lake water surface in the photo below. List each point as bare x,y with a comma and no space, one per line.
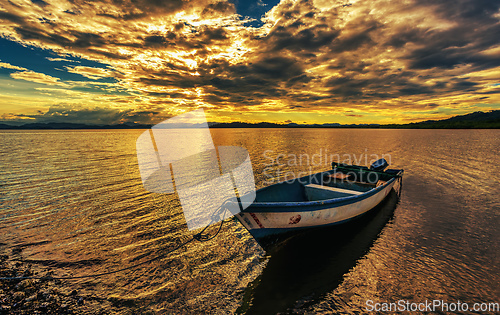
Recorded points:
72,202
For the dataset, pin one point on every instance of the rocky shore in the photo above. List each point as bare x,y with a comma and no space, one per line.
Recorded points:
30,296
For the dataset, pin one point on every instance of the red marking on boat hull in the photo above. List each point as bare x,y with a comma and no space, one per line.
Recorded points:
256,220
295,219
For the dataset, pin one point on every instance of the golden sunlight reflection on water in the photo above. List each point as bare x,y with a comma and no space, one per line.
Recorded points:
72,202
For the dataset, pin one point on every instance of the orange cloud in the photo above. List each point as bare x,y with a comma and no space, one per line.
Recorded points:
36,77
91,73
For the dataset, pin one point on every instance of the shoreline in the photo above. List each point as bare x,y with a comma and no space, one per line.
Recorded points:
33,296
49,296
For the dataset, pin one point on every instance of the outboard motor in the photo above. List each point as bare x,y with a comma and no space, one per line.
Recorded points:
379,165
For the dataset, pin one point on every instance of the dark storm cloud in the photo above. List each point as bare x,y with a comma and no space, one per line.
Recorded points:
134,9
92,116
160,40
84,40
199,39
457,46
218,7
249,84
243,84
275,67
464,9
214,34
40,2
6,16
307,39
171,81
415,89
80,39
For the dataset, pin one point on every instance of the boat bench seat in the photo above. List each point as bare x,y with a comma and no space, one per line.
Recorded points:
319,192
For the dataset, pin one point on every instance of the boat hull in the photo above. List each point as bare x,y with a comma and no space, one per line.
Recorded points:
267,221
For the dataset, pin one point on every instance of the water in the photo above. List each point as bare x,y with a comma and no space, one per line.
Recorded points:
72,203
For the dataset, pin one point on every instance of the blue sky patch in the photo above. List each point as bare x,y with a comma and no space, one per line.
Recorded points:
254,9
45,61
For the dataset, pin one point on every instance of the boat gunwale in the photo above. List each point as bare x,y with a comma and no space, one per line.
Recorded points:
343,200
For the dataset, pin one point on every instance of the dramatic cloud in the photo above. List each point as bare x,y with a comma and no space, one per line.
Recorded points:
91,73
9,66
36,77
92,116
385,60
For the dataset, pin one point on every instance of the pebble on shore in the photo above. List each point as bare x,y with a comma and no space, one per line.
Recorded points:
30,296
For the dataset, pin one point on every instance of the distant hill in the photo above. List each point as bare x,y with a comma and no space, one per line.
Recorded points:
290,125
66,126
476,120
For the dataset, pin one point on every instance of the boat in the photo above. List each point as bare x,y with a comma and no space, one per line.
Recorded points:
327,198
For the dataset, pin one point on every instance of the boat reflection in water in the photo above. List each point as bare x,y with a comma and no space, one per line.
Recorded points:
312,264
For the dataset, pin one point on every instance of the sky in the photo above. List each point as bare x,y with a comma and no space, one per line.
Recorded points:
304,61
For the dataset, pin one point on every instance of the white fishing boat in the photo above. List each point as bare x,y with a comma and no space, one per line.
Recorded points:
327,198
